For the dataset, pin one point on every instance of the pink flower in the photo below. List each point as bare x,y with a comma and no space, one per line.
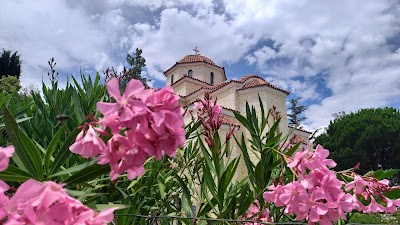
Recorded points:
142,123
256,214
369,188
88,144
198,105
111,121
129,104
3,199
166,122
123,156
5,155
48,203
316,195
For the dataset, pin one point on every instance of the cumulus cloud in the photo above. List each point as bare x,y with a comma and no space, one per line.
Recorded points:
336,55
345,43
41,31
178,32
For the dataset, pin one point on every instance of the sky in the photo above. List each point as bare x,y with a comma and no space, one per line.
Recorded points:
336,55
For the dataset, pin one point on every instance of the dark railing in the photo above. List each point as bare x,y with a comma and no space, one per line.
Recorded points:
177,220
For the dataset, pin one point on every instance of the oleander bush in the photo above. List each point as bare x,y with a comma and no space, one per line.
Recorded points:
88,154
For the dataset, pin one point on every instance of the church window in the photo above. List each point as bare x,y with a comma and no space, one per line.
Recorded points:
190,73
172,79
212,78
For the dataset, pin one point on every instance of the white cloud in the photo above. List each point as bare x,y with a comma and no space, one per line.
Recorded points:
346,40
41,31
343,41
178,32
158,4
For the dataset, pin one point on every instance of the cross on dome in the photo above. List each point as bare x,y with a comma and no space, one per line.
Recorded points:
196,51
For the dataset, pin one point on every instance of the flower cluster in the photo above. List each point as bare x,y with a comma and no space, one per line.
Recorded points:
368,188
44,203
141,123
5,155
48,203
209,112
317,195
254,213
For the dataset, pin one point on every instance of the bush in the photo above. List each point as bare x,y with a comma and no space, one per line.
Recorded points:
9,84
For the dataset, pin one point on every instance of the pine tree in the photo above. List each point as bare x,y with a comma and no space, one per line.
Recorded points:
136,62
10,64
296,113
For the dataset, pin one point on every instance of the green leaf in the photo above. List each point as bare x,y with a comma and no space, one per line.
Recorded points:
191,127
249,164
99,207
28,154
74,169
77,106
17,120
227,177
209,181
393,194
186,200
50,149
207,207
13,173
88,174
64,151
292,150
206,156
382,174
243,120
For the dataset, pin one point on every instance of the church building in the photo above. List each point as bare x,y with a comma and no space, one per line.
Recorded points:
195,75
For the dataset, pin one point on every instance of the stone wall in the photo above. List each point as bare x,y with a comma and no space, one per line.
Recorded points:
201,71
226,98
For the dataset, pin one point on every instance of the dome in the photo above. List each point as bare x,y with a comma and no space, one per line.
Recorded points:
196,58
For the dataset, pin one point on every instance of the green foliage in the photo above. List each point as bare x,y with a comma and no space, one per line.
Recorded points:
359,218
296,113
9,84
199,182
10,64
369,136
265,143
136,62
42,144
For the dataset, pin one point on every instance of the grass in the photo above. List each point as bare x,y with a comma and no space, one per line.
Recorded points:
360,218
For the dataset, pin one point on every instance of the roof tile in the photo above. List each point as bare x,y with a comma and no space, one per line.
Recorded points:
194,59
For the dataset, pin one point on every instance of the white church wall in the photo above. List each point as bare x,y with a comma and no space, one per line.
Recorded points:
200,70
227,98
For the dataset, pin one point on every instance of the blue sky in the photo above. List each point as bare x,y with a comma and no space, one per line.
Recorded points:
336,55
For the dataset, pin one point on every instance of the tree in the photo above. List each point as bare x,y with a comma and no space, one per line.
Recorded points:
10,64
296,113
136,62
369,136
9,84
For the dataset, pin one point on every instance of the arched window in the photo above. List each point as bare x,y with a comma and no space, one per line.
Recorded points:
212,78
172,79
190,73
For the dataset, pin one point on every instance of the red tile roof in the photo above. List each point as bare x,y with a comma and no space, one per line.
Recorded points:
300,129
254,83
194,59
197,58
297,139
257,83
